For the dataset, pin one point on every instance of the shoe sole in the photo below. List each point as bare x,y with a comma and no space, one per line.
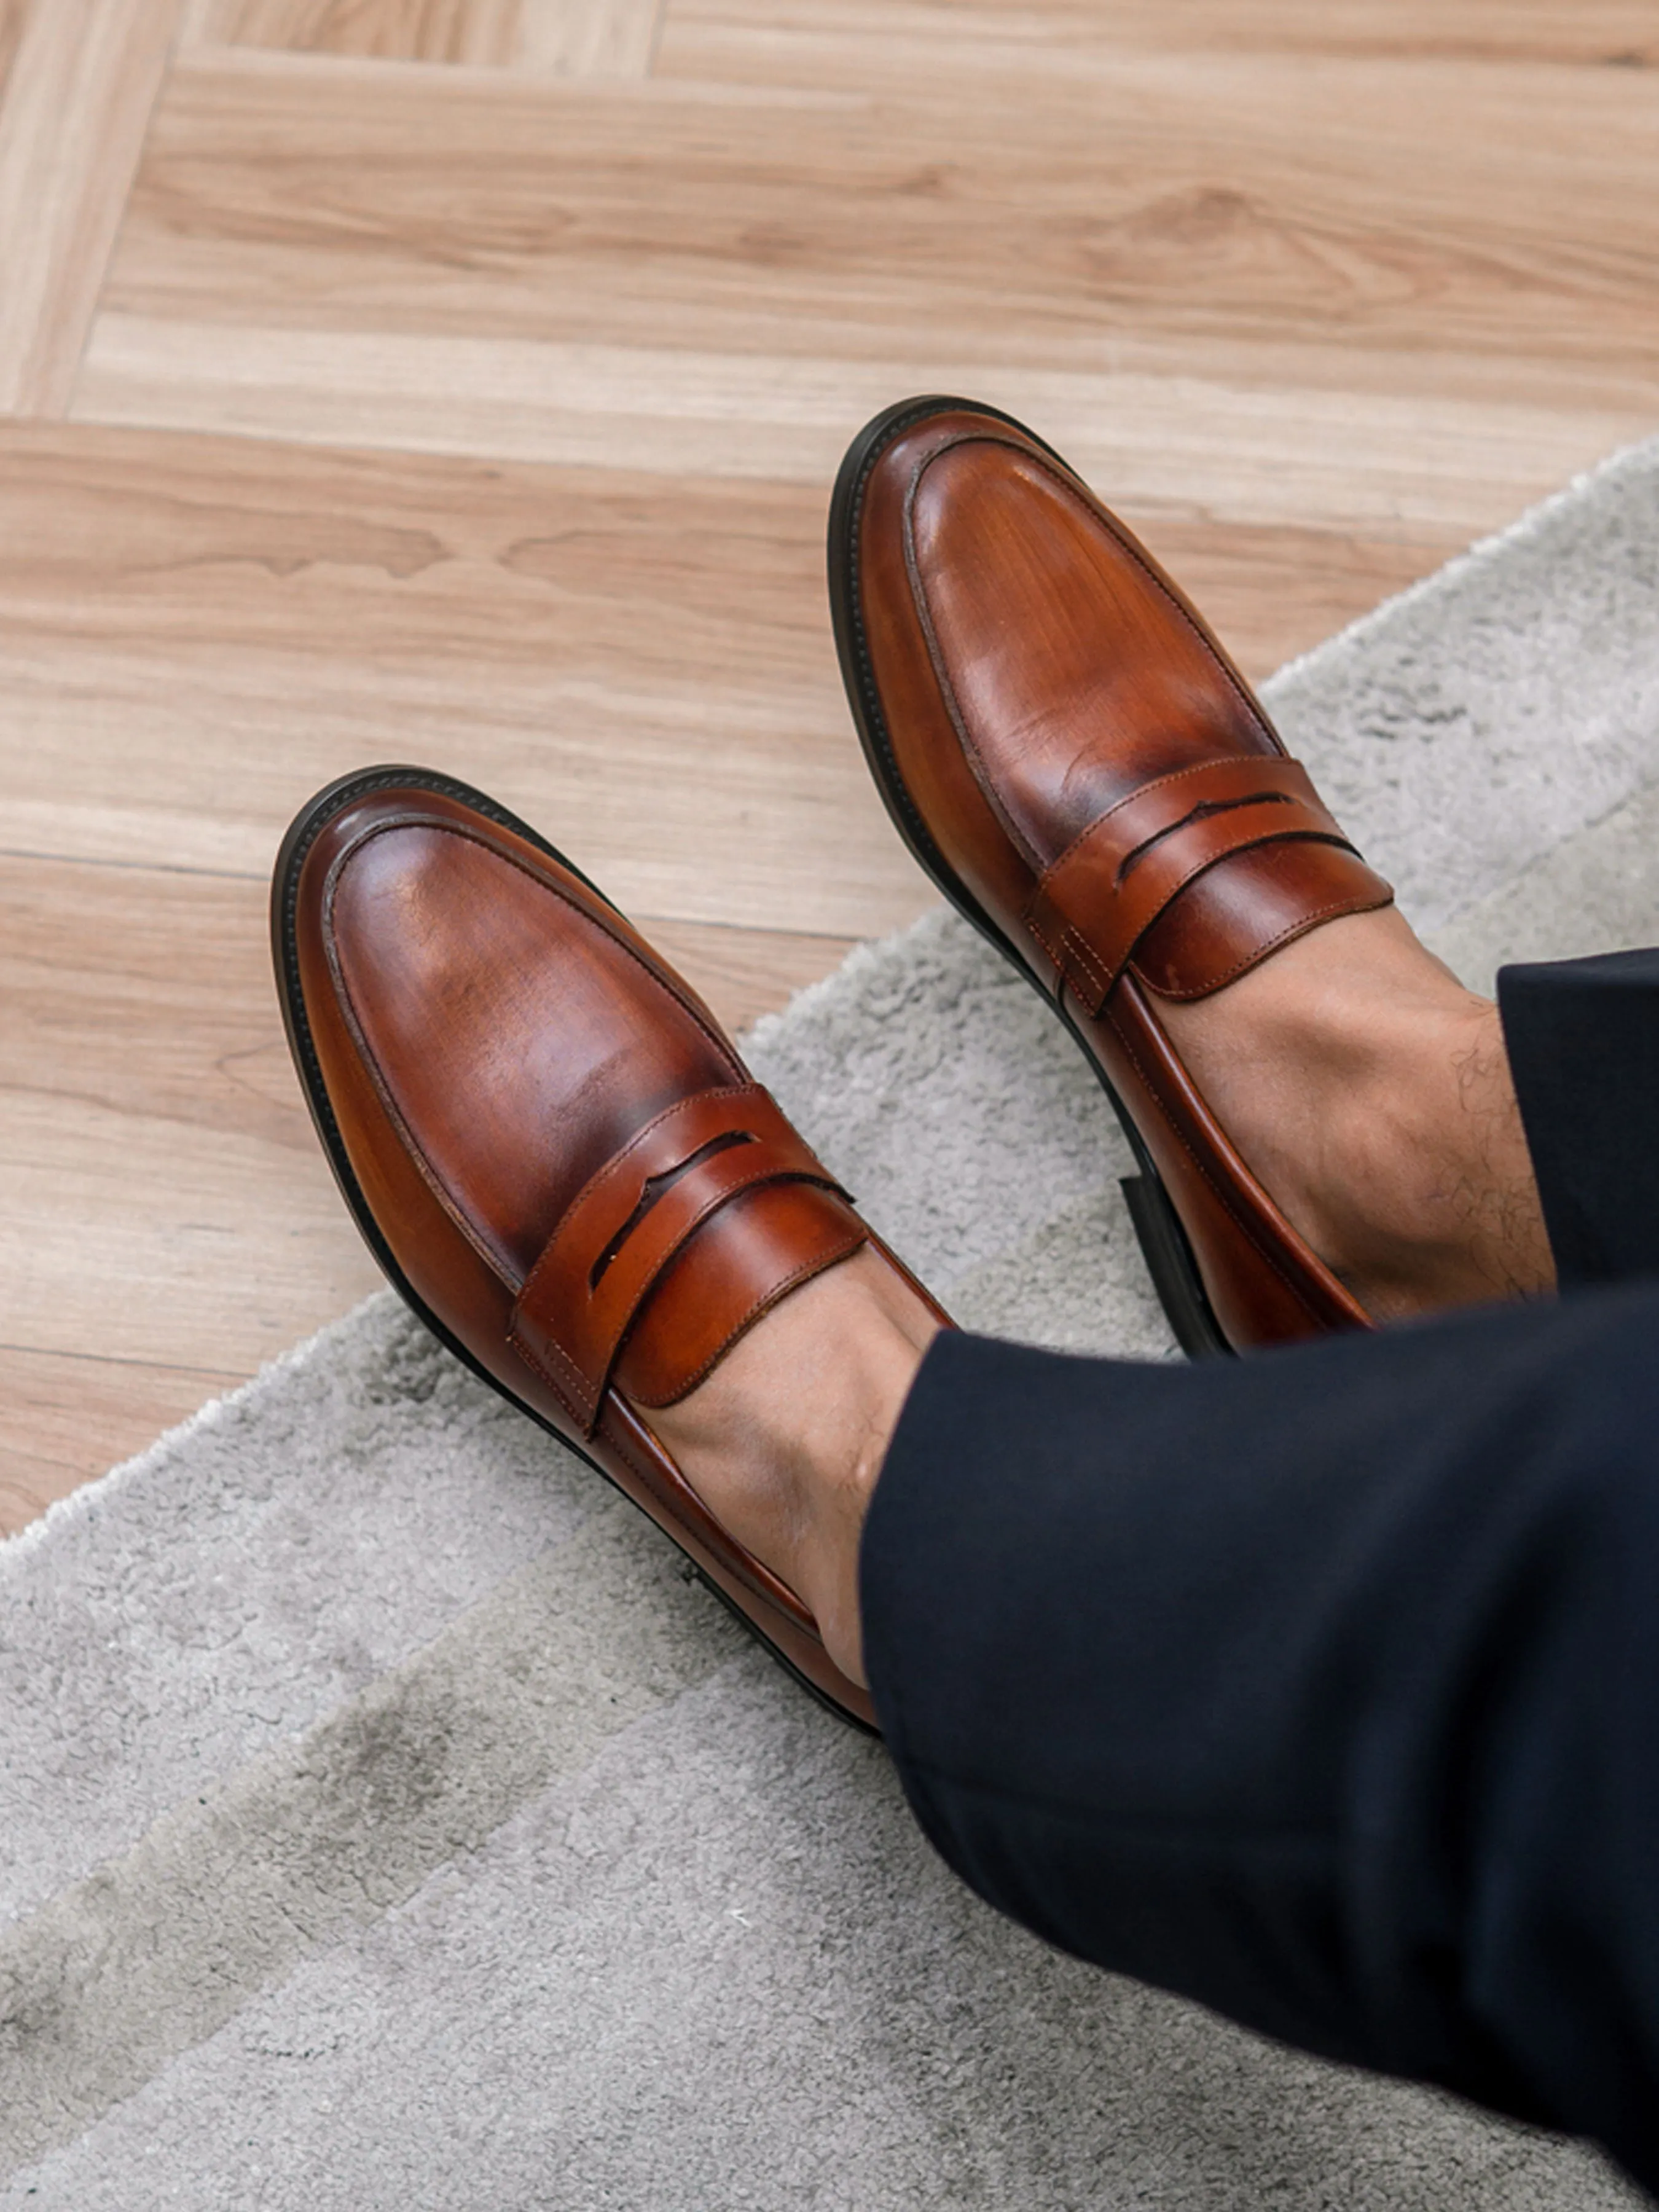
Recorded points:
284,893
1163,1241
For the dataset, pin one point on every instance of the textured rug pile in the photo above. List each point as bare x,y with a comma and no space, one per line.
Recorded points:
386,1821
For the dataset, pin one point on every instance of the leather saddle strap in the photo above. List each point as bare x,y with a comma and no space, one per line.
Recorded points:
630,1220
1094,904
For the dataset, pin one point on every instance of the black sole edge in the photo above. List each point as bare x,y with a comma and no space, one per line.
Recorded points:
301,834
1163,1241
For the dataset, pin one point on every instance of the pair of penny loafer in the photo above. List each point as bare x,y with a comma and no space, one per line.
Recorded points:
557,1154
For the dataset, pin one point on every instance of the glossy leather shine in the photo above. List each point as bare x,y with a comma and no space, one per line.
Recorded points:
547,1138
1079,765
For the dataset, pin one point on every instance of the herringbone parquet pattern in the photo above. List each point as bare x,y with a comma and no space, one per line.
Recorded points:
462,380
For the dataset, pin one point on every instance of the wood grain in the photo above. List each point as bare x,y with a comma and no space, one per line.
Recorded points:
77,97
481,32
148,1120
166,1219
1237,450
11,29
789,40
560,38
1389,224
194,633
1434,308
68,1419
589,38
466,382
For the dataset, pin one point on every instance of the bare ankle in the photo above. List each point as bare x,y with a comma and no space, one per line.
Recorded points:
785,1441
1370,1093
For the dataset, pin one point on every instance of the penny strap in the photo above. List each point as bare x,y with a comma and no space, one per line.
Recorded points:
1091,907
622,1230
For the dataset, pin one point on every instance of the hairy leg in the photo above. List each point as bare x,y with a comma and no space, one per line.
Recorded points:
1370,1093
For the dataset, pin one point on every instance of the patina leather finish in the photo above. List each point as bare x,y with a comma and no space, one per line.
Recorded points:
547,1139
1074,757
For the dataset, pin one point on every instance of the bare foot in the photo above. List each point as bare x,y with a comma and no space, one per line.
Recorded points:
1370,1094
785,1440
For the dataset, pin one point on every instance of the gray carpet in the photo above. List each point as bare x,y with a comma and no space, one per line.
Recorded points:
388,1822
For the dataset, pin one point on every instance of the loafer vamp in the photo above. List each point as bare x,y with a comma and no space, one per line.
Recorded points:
546,1139
1074,759
1074,676
519,1040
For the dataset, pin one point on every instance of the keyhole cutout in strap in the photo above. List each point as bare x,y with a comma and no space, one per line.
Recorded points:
1199,813
655,1187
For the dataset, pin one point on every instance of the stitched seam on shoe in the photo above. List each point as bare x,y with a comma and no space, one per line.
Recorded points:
1160,782
719,1090
1101,979
1095,974
721,1044
582,1413
590,1397
873,699
1248,960
415,1151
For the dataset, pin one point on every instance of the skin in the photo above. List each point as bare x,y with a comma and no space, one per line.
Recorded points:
1365,1088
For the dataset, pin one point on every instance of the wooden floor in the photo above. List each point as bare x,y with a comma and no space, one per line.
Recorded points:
462,380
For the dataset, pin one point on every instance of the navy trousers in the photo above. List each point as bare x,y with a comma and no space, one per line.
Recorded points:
1322,1687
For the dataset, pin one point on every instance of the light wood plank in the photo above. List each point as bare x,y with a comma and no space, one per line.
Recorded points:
12,30
1317,293
70,1417
588,38
482,33
1238,452
1224,213
77,99
558,37
789,41
153,1136
194,633
150,1123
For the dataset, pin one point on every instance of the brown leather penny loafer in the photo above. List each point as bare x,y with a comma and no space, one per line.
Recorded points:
1071,757
550,1145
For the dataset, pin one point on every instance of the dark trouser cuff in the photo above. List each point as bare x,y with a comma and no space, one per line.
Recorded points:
1320,1686
1583,1037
